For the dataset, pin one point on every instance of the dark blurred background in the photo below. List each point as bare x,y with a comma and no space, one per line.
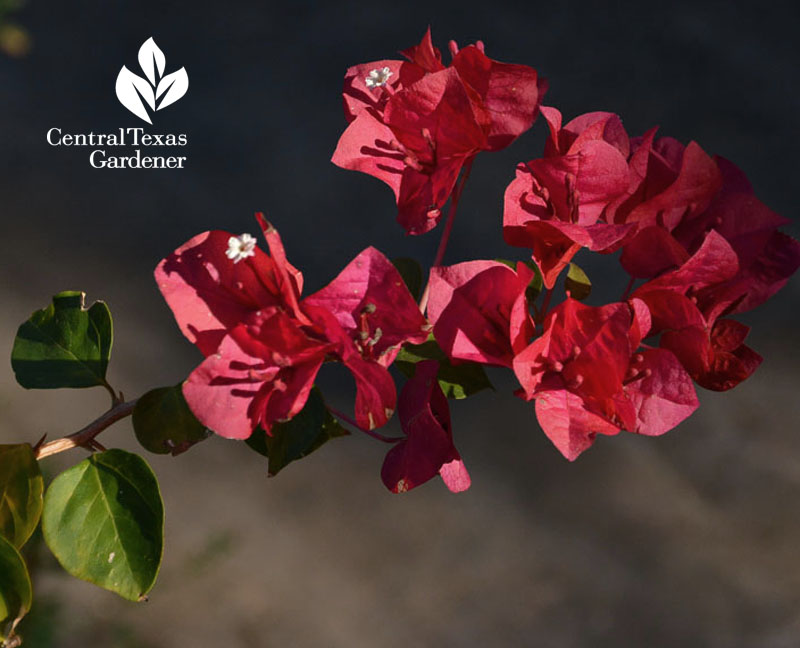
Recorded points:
690,539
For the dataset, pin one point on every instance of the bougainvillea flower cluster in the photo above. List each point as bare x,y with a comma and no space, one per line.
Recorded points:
415,123
697,245
264,345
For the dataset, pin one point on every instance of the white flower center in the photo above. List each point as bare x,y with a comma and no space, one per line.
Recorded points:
378,77
241,247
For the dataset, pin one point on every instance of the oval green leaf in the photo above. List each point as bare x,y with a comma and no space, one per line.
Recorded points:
577,283
310,428
104,522
164,424
21,489
16,594
64,345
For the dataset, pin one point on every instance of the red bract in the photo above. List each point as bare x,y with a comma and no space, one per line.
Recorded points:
660,391
587,380
261,373
428,447
585,349
415,124
715,355
767,257
668,183
510,93
574,370
210,294
710,349
435,119
554,204
241,307
480,312
371,303
685,305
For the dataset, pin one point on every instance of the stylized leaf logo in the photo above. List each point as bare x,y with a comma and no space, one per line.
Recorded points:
158,90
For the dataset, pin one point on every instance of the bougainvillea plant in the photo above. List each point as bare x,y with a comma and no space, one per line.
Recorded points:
697,244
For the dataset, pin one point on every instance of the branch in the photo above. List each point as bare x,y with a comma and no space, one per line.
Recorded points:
85,438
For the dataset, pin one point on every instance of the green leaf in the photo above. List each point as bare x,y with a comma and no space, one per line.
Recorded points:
16,594
164,424
577,283
457,381
64,345
310,428
536,284
104,522
21,488
411,271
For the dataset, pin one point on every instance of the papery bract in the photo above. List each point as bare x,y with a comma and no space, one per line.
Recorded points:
209,295
767,257
575,369
261,373
685,305
420,122
264,347
583,348
480,312
660,390
568,423
668,182
373,305
511,93
428,447
588,378
554,204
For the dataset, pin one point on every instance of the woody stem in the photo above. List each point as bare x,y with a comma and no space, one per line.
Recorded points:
448,227
86,437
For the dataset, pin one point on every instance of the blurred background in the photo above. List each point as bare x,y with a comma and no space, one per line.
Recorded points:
689,539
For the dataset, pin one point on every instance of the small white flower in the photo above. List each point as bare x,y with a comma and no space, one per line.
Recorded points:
240,247
378,78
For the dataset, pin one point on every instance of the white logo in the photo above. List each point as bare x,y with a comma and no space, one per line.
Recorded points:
158,90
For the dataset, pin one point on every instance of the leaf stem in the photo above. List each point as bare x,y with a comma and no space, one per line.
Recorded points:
85,437
372,433
448,227
115,399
